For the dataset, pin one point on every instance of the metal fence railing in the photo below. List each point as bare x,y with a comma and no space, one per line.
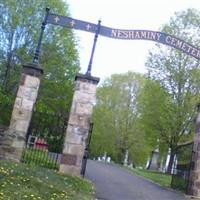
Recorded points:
182,167
37,153
45,140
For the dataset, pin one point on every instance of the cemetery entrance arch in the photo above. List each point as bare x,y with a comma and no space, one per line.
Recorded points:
84,96
126,34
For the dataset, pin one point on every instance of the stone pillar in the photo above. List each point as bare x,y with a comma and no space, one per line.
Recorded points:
12,141
78,125
194,181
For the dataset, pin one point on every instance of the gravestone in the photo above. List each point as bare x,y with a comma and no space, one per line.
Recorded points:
154,160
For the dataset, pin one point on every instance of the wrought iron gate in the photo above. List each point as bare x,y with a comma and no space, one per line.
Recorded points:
86,153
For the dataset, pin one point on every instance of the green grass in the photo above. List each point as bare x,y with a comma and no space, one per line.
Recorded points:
23,182
157,177
179,183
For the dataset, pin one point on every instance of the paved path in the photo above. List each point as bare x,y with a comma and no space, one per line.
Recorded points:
115,183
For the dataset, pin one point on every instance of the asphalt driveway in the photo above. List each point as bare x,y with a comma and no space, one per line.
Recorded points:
115,183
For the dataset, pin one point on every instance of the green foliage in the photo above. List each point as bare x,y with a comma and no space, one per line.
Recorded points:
6,105
177,77
180,183
24,182
156,109
20,26
116,119
184,155
157,177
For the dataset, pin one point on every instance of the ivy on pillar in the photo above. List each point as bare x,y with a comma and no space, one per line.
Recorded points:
79,123
12,141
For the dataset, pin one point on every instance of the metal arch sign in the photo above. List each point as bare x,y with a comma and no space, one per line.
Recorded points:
156,36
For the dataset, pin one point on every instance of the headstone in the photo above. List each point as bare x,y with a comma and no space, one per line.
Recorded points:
108,159
154,164
104,156
167,160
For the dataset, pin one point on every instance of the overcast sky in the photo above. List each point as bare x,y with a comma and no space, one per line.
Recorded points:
119,56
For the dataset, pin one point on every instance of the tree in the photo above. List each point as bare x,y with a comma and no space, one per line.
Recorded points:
20,25
116,129
178,77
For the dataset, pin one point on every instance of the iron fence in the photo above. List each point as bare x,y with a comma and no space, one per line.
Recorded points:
45,139
182,167
37,153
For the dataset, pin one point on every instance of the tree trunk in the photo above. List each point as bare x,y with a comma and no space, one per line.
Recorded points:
8,64
171,162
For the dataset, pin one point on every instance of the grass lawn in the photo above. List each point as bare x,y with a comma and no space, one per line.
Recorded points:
157,177
22,182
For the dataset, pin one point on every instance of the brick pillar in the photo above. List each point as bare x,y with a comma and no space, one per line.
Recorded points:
12,141
194,182
78,125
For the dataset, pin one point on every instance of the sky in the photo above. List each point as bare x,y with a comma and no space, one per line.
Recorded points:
119,56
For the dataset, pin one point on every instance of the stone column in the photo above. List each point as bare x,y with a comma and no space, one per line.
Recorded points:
12,141
194,181
78,125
